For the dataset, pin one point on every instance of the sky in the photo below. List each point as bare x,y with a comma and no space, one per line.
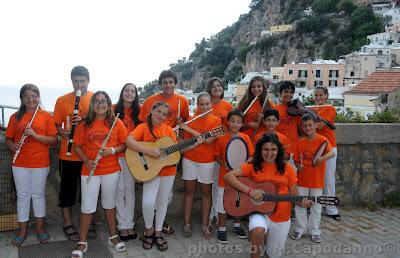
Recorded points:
118,41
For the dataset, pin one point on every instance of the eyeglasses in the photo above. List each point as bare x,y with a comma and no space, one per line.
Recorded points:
101,103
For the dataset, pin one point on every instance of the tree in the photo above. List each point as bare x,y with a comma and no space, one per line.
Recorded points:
347,6
324,6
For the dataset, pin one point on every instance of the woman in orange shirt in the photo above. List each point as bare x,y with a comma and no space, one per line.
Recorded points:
128,108
198,165
268,165
88,138
31,166
258,86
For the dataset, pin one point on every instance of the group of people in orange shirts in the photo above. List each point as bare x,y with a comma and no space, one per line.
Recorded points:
280,150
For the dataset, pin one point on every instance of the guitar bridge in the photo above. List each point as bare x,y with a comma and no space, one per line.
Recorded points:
143,161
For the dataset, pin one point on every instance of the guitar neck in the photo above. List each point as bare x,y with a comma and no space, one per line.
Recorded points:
184,144
285,198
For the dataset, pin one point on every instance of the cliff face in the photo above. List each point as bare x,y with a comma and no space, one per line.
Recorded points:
240,48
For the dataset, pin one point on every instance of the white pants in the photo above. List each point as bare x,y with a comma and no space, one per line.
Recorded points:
202,172
155,197
277,233
125,197
330,181
312,223
30,183
214,210
220,202
90,192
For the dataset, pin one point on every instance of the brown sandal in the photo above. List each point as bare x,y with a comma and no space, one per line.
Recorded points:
161,244
147,241
71,233
167,229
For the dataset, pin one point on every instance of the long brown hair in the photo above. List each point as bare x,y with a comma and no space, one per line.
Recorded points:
149,121
22,108
119,108
210,83
91,114
248,96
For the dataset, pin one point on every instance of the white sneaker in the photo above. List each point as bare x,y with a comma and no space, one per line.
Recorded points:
296,235
316,238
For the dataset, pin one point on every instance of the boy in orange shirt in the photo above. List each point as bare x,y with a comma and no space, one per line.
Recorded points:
310,174
271,121
235,121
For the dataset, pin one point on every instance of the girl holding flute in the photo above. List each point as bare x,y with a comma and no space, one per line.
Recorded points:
198,164
254,101
29,134
90,135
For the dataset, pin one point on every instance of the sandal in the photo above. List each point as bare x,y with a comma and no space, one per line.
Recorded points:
132,236
147,241
206,231
124,237
79,253
18,241
71,233
43,238
167,229
119,247
161,244
92,234
336,217
187,230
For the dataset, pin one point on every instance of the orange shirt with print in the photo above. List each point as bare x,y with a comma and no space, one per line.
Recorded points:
33,154
329,113
288,125
310,176
173,108
269,173
65,107
220,151
142,133
91,137
221,110
203,153
282,138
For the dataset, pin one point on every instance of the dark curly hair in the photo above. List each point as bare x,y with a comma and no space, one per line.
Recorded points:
258,159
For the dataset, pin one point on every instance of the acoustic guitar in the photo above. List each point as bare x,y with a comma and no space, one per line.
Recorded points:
145,168
238,204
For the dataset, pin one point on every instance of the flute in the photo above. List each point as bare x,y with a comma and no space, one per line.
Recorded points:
179,109
103,145
251,104
76,111
262,111
22,140
194,118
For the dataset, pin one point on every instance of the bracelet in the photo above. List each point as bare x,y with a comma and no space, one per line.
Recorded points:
112,150
248,191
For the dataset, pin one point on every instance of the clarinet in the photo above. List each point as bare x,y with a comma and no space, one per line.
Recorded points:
103,145
76,111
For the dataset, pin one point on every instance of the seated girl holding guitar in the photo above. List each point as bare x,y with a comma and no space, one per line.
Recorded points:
156,191
268,165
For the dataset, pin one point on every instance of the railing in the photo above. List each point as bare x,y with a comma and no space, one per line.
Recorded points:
3,119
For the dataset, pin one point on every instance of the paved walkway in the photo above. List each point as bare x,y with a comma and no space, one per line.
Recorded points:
361,233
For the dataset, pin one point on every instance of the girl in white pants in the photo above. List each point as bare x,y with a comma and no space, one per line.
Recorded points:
128,107
31,160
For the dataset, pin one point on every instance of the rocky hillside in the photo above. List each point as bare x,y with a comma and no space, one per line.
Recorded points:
335,28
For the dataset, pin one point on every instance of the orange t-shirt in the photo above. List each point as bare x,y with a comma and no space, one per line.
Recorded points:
283,182
220,151
282,138
142,133
221,110
173,108
251,116
91,138
33,154
288,124
203,153
310,176
65,107
329,113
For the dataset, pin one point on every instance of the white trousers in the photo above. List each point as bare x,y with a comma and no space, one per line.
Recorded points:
330,182
312,223
214,210
125,197
30,183
156,193
277,233
90,192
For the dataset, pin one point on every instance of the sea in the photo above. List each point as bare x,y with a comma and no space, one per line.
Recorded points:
9,96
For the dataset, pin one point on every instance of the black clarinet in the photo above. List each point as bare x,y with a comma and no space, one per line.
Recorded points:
76,111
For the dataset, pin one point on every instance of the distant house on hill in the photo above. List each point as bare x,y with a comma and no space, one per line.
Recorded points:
372,93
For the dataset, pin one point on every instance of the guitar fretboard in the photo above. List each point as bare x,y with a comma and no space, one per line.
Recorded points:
291,198
185,144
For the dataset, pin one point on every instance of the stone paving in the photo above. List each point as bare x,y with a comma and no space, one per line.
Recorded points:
361,233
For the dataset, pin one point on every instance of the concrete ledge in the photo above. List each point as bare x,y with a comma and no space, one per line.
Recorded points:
365,133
